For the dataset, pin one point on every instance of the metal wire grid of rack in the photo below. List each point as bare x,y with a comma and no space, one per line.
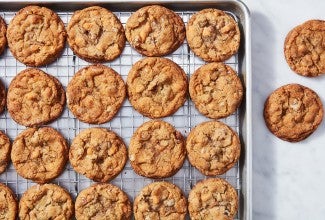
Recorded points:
124,123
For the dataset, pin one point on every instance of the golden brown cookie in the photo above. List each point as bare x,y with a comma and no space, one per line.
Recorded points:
156,87
103,201
213,148
155,30
8,203
36,36
216,90
213,35
293,112
157,150
304,48
47,201
160,200
213,199
95,34
98,153
2,97
5,148
3,38
39,154
95,94
35,98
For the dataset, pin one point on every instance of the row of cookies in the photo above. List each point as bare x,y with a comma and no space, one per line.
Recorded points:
36,35
159,200
157,150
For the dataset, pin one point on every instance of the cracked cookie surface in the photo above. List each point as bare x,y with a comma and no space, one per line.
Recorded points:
95,34
155,30
213,199
98,153
213,35
2,97
39,154
157,150
103,201
5,148
213,148
160,200
95,94
304,48
35,98
3,38
216,90
293,112
36,36
47,201
156,87
8,203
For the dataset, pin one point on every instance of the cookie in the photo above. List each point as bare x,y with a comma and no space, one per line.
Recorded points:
157,150
95,34
3,31
216,90
155,30
103,201
95,94
213,199
48,201
5,148
156,87
213,148
2,97
160,200
36,36
35,98
213,35
293,112
8,203
98,153
39,154
304,48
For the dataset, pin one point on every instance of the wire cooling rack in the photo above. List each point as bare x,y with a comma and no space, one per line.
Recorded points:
124,123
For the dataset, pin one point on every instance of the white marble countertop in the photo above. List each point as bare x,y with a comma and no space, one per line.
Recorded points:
288,179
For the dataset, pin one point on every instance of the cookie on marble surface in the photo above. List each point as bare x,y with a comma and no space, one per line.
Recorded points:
155,30
5,148
39,154
47,201
103,201
213,199
98,153
8,203
213,35
35,98
293,112
213,148
36,36
2,97
95,34
160,200
156,87
95,94
304,48
3,32
216,90
157,150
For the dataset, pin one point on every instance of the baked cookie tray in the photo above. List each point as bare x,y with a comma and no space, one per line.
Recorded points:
127,119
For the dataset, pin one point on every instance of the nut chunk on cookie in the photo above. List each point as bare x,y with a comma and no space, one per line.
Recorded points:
47,201
5,147
98,153
293,112
35,98
103,201
8,203
160,200
2,97
36,36
213,199
95,34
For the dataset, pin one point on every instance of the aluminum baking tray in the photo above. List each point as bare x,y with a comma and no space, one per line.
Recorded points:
127,120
